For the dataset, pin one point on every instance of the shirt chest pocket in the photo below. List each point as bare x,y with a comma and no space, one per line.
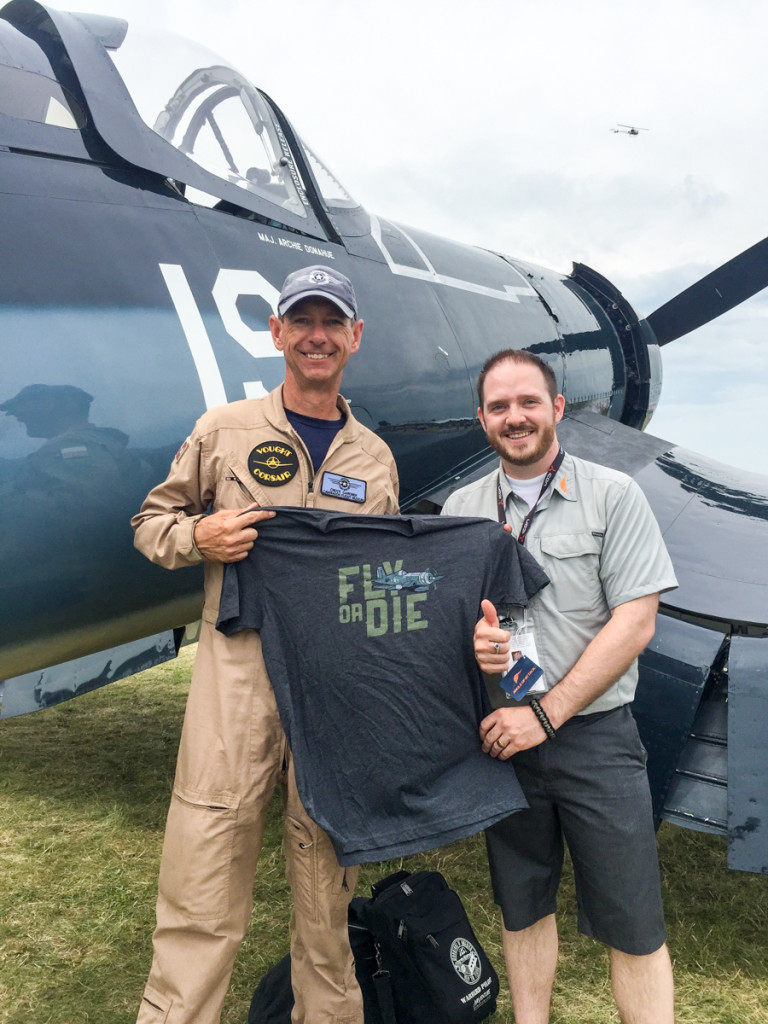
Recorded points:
572,561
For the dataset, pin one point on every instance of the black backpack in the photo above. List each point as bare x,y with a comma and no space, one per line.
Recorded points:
438,971
417,959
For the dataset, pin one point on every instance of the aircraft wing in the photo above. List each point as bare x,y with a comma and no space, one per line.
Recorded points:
702,700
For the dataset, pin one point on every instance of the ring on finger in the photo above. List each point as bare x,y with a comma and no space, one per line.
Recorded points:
496,648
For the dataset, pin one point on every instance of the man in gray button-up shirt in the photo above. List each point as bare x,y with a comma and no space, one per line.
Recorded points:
572,737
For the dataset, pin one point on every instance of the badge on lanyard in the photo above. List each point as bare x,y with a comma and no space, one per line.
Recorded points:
524,673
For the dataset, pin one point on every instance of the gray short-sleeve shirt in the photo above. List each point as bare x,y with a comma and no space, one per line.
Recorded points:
595,536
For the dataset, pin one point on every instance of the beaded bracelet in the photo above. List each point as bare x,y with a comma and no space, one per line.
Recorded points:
543,718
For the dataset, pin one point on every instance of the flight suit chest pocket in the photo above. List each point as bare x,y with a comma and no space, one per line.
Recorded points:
572,561
235,486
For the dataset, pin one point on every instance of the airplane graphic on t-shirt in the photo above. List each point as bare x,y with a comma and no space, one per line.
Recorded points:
402,580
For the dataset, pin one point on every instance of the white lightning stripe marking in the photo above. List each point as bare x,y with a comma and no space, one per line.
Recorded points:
510,293
196,334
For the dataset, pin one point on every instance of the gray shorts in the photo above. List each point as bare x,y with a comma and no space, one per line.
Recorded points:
588,787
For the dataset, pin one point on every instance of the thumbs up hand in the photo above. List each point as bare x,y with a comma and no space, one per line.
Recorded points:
491,642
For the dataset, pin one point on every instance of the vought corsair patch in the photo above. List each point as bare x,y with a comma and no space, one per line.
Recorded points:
273,463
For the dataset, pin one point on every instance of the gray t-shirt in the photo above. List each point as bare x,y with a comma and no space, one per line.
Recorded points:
366,625
595,536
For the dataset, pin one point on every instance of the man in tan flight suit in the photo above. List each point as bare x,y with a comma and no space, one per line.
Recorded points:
289,448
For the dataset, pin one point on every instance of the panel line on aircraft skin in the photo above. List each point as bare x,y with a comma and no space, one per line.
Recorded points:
199,343
509,293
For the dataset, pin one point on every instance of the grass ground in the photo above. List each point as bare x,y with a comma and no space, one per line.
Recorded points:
84,790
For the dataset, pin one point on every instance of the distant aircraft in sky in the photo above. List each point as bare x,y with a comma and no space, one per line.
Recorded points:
627,129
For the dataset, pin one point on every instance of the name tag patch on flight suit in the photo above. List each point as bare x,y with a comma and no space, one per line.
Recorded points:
273,463
344,487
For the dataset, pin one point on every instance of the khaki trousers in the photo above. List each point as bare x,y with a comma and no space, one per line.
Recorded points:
232,755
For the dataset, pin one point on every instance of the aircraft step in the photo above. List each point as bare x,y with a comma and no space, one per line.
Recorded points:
698,795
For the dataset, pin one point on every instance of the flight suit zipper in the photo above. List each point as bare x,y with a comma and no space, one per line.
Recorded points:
309,499
334,445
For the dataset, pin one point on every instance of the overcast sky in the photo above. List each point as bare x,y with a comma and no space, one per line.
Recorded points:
489,122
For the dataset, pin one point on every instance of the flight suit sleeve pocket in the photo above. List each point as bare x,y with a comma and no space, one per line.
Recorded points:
197,855
573,564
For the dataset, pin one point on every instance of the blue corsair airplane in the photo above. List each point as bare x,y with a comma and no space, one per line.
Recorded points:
152,200
402,580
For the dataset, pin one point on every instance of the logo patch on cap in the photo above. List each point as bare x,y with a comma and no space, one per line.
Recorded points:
319,277
273,463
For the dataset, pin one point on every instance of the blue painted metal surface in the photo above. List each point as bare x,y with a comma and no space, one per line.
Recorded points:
748,754
674,669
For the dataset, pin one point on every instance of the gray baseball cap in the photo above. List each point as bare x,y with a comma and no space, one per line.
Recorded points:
318,282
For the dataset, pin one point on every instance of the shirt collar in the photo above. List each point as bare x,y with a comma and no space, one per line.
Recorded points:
275,412
563,485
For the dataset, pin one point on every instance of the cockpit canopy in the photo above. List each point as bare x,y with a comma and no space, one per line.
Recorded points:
236,147
211,112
